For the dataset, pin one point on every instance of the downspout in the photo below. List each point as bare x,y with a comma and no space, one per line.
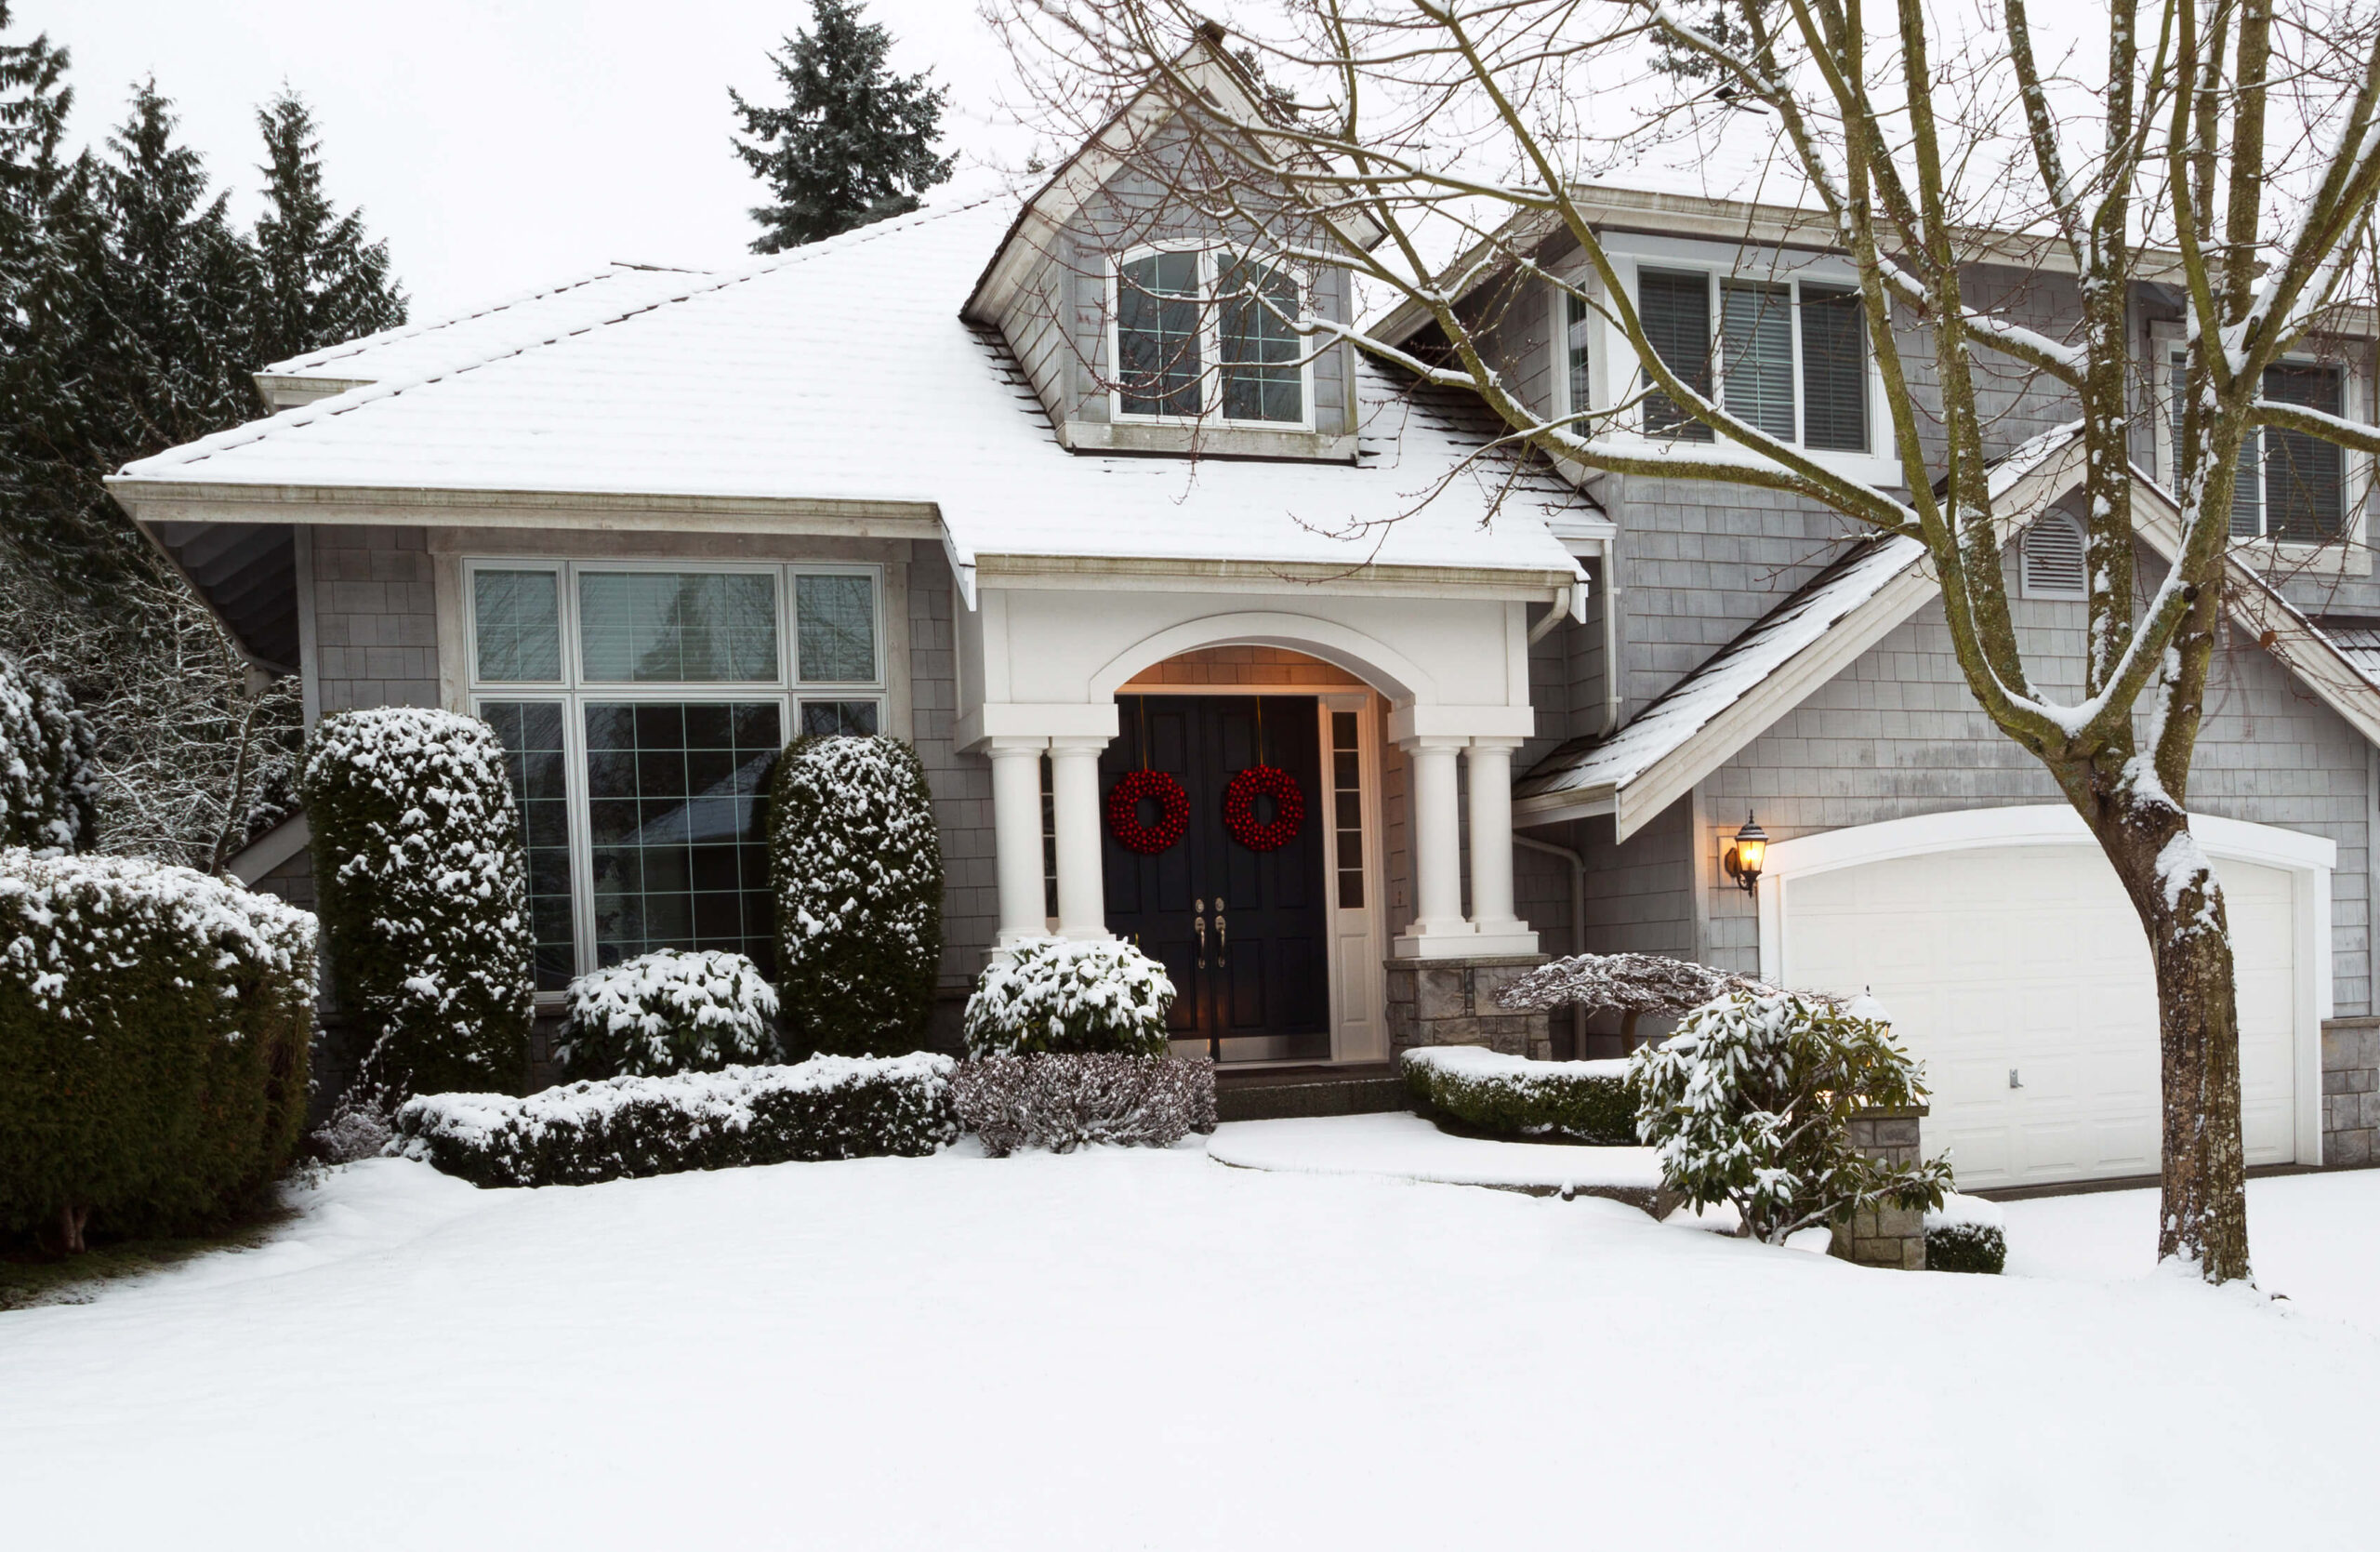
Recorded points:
1611,591
1578,923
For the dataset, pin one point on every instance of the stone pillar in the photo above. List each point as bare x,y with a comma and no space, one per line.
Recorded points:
1886,1235
1501,932
1016,836
1443,1002
1439,929
1074,798
2350,1092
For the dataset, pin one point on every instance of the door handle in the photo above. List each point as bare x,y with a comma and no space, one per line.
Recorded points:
1198,920
1223,935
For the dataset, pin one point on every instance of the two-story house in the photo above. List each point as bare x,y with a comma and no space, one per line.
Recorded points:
1045,484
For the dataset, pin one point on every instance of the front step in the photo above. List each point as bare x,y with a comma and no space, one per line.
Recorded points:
1277,1094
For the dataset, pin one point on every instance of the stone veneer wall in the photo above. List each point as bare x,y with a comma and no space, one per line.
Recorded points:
1886,1235
2350,1092
1453,1002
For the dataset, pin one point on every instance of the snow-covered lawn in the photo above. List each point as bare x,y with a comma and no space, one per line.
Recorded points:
1125,1349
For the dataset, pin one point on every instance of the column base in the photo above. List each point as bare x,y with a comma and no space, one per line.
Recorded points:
1510,935
1442,1000
1434,940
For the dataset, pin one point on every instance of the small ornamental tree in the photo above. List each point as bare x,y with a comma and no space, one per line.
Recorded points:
1055,994
424,895
48,775
857,869
1632,984
666,1011
1751,1102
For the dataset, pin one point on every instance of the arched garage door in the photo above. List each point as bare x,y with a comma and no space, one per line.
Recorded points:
2019,975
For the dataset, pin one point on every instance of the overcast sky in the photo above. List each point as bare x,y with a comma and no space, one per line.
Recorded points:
502,144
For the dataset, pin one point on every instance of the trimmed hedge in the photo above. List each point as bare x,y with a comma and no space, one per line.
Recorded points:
826,1107
1512,1096
1062,1100
1967,1234
48,764
153,1032
424,895
1054,994
670,1010
856,863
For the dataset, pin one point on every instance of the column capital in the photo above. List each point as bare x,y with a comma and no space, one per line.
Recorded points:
1433,742
1079,743
1011,744
1500,743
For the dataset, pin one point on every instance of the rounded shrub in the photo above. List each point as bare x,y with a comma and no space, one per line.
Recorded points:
48,764
424,895
670,1010
154,1030
1057,994
857,870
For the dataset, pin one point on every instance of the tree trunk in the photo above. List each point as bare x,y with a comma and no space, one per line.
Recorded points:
70,1224
2204,1216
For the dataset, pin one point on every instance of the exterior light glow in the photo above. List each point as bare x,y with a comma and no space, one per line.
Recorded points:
1746,857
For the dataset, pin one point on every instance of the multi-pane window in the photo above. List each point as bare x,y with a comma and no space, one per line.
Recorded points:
641,710
1789,357
1577,329
1347,807
1200,332
2286,487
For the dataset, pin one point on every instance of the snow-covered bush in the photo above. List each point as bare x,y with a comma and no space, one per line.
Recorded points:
153,1033
670,1010
49,770
424,895
360,1126
1967,1234
1058,994
1512,1096
1061,1100
826,1107
1751,1102
856,865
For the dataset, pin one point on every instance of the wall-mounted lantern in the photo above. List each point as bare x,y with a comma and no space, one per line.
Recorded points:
1747,856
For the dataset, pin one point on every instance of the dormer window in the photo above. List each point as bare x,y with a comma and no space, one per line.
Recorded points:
1788,356
1209,334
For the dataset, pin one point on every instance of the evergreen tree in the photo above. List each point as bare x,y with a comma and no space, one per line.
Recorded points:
320,282
853,142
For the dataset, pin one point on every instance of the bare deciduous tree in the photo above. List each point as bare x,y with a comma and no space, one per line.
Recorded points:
2226,150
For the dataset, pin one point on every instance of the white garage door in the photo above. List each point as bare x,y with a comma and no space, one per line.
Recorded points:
2020,976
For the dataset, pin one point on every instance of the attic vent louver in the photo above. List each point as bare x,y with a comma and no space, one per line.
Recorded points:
2053,557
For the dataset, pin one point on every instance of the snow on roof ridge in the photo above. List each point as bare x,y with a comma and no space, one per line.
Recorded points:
357,398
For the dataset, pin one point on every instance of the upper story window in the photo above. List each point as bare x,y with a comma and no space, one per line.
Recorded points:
2289,487
1209,333
1788,356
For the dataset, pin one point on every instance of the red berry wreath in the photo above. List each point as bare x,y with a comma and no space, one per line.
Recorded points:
1239,808
1124,812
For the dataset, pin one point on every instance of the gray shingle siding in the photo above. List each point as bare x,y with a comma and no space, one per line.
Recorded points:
376,618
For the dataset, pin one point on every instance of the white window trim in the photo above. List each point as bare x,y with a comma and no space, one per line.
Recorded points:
1211,362
1631,254
2344,555
574,690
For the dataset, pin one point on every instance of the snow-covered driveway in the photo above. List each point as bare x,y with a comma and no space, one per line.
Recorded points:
1132,1349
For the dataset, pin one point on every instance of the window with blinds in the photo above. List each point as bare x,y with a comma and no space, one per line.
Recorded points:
2051,555
1576,328
2288,486
1785,356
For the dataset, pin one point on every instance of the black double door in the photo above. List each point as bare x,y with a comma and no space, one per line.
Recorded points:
1242,932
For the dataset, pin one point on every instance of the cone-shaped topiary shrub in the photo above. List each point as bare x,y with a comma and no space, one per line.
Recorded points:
424,895
49,770
154,1027
670,1010
1056,994
857,870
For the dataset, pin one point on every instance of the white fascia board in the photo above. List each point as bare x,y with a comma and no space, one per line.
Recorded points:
269,850
1164,574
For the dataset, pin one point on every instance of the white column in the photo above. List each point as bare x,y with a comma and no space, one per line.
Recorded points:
1074,793
1016,836
1500,930
1438,929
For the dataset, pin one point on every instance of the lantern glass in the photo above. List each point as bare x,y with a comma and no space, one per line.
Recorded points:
1750,856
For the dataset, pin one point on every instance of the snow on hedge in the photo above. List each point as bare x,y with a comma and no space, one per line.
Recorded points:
1590,1102
670,1010
1061,1100
48,764
856,863
424,894
825,1107
1060,994
1967,1234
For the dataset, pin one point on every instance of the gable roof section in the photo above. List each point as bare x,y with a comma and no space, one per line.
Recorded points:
835,386
1712,713
517,323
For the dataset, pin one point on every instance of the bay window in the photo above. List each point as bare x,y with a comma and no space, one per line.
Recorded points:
642,708
1788,356
1201,333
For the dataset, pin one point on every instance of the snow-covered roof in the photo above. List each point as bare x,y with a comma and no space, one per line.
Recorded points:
840,373
467,338
2358,640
